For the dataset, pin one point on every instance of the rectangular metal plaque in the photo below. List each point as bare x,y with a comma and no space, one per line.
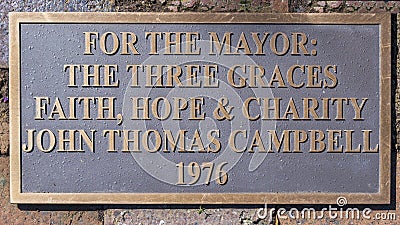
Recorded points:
149,108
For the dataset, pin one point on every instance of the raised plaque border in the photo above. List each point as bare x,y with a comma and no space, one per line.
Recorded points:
382,197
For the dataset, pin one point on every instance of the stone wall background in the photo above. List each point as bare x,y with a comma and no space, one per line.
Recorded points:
176,214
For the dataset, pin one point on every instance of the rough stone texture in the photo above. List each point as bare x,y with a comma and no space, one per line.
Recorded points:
182,216
4,140
344,6
165,214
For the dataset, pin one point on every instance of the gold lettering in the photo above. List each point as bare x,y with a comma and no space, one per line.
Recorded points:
111,138
273,43
179,107
173,77
101,107
290,76
197,142
57,109
136,108
153,41
70,141
300,136
232,140
312,81
169,43
40,107
209,76
333,141
314,140
275,108
157,138
212,136
72,74
291,109
191,73
366,138
277,77
349,142
231,79
242,44
29,147
277,142
191,43
167,108
86,106
89,42
134,77
87,75
299,44
150,75
330,76
254,76
129,44
358,108
103,45
179,141
246,108
72,111
307,109
339,107
134,141
195,109
220,45
109,76
257,143
259,43
51,138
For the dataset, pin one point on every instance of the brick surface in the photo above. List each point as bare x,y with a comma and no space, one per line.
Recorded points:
344,6
280,6
4,134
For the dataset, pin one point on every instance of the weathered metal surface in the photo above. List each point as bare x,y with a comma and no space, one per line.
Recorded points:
350,54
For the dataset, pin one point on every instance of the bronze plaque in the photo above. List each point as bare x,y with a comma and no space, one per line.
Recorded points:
160,108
